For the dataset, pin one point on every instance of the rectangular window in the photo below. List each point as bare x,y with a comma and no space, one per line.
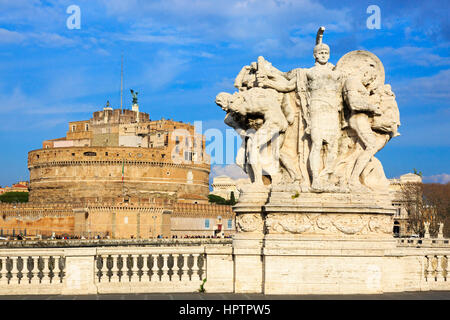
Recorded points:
187,156
206,223
230,224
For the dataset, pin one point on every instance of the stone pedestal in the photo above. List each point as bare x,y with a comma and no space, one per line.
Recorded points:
79,271
248,244
315,244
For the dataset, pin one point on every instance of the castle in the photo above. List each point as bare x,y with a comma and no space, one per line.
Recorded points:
120,175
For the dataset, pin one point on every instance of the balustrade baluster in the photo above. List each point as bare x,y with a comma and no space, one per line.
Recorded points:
439,270
429,270
3,272
134,268
185,268
114,269
165,268
61,267
146,268
46,270
14,271
176,268
195,269
104,269
154,268
446,268
35,271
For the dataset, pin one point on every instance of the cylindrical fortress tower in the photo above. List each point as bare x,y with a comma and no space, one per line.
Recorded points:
95,173
121,153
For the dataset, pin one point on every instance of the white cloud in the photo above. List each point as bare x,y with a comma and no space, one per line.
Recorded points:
45,39
7,36
263,22
231,170
165,39
413,55
435,87
438,178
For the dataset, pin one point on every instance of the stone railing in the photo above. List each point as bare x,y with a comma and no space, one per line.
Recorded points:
423,242
69,243
434,253
436,271
32,271
149,270
92,270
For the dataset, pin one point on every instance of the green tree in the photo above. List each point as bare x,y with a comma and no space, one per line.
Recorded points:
12,197
216,199
232,200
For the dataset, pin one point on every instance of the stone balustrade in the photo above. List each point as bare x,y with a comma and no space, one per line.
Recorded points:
182,267
423,242
32,271
131,269
436,271
149,270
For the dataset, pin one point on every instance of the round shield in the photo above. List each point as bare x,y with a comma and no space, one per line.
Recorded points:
356,62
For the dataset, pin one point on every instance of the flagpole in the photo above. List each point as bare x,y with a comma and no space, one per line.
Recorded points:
121,83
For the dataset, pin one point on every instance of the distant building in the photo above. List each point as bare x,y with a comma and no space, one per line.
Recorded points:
21,186
401,224
224,185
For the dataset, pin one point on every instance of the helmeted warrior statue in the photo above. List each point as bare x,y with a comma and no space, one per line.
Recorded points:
328,122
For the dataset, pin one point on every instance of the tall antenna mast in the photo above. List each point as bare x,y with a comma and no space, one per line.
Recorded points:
121,83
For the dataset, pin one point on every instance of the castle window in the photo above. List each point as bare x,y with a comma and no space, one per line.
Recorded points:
90,154
73,128
230,224
188,156
87,127
206,223
106,153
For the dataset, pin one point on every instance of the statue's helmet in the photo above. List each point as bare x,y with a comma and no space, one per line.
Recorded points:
319,44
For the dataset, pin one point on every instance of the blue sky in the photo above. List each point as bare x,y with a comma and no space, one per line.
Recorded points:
180,54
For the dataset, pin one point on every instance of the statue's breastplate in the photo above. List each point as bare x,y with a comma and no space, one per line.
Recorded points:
323,81
324,85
